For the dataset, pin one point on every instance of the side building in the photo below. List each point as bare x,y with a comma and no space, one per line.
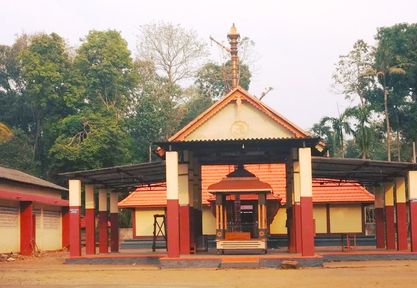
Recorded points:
33,215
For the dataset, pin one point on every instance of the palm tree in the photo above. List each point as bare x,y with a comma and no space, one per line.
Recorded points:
340,125
362,133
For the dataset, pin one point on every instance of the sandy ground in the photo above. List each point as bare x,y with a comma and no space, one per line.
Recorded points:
48,271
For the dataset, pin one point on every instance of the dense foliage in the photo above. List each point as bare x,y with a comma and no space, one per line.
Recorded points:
381,84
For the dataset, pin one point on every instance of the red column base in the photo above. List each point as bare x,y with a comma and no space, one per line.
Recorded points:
75,235
27,228
103,232
390,227
307,226
379,228
185,243
402,243
413,225
114,234
90,238
173,228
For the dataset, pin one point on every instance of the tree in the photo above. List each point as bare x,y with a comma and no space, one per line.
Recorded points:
105,71
175,51
45,71
155,116
90,140
5,133
17,153
215,81
339,126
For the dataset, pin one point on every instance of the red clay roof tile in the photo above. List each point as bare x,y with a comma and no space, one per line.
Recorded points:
273,174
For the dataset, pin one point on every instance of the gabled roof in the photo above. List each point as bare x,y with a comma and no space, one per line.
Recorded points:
324,191
233,95
21,177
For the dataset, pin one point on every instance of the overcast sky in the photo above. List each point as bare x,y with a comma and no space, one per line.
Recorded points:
297,42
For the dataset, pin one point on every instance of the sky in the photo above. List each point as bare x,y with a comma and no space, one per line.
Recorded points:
297,43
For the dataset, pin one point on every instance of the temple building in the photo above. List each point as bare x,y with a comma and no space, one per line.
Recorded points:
241,172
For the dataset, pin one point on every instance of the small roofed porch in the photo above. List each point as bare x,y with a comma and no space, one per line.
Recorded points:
241,211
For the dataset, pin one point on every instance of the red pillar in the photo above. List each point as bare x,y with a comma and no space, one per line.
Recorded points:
173,228
114,234
307,226
103,232
114,220
65,227
74,217
379,228
75,235
298,224
90,220
90,231
185,243
402,242
390,227
413,224
26,228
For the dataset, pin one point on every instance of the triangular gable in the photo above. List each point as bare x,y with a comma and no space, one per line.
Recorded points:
238,115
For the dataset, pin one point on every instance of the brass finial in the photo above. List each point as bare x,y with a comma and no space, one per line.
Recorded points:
234,37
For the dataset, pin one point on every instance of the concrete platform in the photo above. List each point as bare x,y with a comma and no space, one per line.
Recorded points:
273,259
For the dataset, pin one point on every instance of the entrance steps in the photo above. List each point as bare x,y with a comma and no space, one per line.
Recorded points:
240,262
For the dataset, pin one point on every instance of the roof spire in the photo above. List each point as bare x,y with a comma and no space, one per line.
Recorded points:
234,37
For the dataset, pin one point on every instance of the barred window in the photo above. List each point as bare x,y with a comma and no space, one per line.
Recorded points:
370,214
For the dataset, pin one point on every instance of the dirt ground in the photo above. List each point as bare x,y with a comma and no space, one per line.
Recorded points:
49,271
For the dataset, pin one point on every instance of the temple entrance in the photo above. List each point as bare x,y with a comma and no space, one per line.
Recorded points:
244,216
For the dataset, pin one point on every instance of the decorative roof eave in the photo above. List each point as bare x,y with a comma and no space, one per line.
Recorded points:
231,96
240,185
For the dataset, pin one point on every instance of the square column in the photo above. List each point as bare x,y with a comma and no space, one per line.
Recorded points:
114,220
389,215
184,209
401,206
306,202
27,228
196,202
74,210
172,217
293,203
412,192
103,233
90,223
379,216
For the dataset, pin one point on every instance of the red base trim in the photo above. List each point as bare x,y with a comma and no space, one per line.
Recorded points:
33,198
390,227
74,231
307,226
114,232
90,227
413,225
185,241
26,228
379,228
402,243
173,228
103,233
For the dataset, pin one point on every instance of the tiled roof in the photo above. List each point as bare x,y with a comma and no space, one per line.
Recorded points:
146,196
21,177
273,174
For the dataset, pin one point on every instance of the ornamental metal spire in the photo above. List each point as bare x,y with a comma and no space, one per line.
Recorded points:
234,37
